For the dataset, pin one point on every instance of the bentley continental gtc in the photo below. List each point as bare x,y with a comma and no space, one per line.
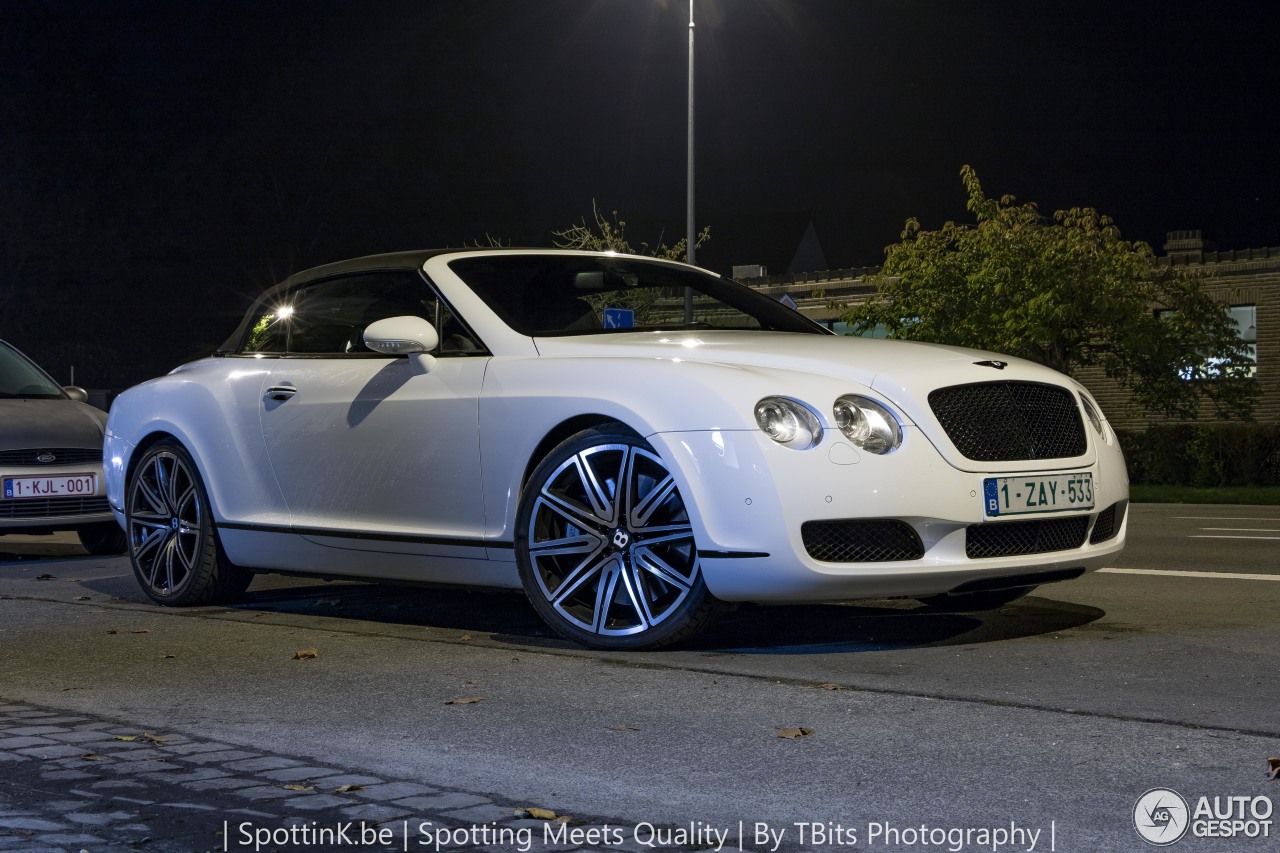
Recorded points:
636,443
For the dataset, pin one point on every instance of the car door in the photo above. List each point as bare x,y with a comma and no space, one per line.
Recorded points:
369,451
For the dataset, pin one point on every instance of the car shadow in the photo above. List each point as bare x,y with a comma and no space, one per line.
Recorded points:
506,617
883,625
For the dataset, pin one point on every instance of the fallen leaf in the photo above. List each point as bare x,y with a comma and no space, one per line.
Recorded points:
305,654
113,632
623,727
170,657
141,631
466,700
465,637
126,737
156,739
82,598
827,685
45,577
346,789
536,813
1274,765
299,787
795,733
566,820
89,756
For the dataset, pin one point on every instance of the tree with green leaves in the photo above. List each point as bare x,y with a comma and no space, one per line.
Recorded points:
1068,293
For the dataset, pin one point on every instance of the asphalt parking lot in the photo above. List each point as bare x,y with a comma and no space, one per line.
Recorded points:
1054,715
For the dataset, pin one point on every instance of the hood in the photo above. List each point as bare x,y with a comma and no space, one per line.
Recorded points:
901,372
898,369
31,424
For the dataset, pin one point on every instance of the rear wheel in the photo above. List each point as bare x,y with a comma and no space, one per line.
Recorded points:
969,602
173,545
605,546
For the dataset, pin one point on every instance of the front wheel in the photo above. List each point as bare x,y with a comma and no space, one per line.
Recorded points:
605,546
173,545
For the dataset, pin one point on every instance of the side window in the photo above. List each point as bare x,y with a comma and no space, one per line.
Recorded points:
329,317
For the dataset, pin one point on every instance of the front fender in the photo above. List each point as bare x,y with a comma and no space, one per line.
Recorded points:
525,399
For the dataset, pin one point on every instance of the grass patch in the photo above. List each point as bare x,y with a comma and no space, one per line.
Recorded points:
1205,495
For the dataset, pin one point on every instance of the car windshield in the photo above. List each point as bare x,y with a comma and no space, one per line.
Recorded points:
20,377
547,294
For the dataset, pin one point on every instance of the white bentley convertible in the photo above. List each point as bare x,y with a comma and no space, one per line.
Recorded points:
632,441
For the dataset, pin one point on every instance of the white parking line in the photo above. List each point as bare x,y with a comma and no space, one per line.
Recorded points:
1246,529
1206,536
1220,518
1237,576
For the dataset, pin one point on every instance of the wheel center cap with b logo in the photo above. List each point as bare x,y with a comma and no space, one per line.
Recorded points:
621,539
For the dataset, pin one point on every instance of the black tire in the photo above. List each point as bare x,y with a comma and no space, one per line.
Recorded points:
103,539
605,548
177,558
974,602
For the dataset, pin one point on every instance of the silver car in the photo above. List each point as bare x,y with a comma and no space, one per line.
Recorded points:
51,458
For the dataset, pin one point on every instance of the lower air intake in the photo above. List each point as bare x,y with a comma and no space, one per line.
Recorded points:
1016,538
873,540
1108,523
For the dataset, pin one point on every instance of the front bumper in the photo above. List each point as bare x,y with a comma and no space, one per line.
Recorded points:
750,498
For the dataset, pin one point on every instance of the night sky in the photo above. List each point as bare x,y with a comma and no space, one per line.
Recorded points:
163,161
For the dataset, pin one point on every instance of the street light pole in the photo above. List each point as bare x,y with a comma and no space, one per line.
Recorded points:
691,230
691,233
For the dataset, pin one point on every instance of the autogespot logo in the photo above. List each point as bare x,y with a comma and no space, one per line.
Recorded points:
1160,816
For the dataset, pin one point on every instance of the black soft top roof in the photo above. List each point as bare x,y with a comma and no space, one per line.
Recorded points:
412,260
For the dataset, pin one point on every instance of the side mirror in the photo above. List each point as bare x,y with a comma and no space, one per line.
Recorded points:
75,392
401,336
408,335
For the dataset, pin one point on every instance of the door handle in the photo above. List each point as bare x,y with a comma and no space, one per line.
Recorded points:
280,392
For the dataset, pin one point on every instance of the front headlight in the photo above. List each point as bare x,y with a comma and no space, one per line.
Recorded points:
1094,413
788,422
867,424
1094,417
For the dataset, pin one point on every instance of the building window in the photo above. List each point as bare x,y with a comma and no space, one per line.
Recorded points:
1246,321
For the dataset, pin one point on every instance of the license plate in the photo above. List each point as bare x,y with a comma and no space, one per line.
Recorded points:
61,486
1032,493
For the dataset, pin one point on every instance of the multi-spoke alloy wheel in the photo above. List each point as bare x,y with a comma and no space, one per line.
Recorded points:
605,547
172,544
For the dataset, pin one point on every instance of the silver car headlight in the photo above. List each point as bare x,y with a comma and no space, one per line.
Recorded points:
866,423
1094,417
789,422
1094,414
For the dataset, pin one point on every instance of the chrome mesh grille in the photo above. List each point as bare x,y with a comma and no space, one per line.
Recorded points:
63,456
1015,538
871,540
1004,421
52,507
